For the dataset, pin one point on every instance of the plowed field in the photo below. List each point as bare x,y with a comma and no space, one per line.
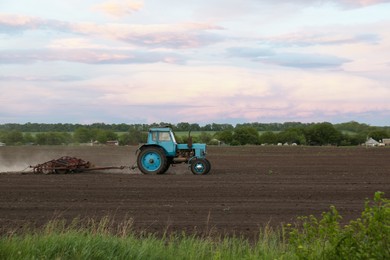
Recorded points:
248,187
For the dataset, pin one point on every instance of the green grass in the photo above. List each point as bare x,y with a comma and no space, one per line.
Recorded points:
367,237
97,242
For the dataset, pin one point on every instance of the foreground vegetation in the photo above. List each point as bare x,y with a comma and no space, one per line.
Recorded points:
367,237
351,133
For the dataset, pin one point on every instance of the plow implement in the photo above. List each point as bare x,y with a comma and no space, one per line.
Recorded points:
67,164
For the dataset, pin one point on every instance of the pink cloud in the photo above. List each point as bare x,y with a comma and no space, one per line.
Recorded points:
88,56
334,37
119,8
346,3
357,3
11,23
183,35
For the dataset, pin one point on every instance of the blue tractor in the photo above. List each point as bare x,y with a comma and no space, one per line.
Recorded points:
161,151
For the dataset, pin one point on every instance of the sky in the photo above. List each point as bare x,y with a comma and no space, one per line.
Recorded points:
204,61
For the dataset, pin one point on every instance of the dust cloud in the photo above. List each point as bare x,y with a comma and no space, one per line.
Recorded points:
15,159
19,158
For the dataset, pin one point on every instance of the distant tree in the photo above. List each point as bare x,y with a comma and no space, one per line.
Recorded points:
138,127
83,135
28,138
292,135
223,127
102,136
195,127
53,138
161,124
183,126
207,127
294,125
323,134
353,139
225,136
246,135
2,136
184,139
120,127
13,137
205,137
352,126
133,137
379,134
268,138
100,126
217,127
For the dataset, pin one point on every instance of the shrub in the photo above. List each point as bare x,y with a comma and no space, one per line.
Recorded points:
364,238
246,135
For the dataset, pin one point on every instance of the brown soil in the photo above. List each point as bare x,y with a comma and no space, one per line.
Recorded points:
248,188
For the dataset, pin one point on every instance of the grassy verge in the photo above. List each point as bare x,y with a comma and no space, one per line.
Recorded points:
310,238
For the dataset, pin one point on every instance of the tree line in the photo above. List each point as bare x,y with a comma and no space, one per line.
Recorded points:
313,134
350,133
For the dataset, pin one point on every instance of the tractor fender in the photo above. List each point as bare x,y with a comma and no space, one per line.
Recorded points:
142,146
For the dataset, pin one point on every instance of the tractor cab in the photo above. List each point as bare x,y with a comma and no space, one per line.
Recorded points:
164,138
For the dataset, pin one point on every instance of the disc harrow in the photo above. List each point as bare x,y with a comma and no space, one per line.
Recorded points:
67,164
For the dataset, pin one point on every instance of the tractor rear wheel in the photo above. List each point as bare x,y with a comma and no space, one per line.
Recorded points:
169,162
208,167
200,166
152,160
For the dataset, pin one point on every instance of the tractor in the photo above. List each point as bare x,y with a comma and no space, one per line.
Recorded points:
162,150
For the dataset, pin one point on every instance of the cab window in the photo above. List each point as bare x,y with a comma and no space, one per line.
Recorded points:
154,136
164,136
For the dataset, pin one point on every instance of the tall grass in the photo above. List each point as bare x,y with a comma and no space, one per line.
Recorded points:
310,238
100,243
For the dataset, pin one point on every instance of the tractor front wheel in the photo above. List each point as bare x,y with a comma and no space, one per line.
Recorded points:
152,160
200,166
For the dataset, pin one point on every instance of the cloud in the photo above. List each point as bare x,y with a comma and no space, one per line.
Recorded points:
43,101
221,93
296,60
88,56
249,52
269,10
303,39
74,43
184,35
305,61
61,78
342,3
17,23
119,8
360,3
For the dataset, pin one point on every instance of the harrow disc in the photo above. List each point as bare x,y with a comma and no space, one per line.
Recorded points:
64,164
